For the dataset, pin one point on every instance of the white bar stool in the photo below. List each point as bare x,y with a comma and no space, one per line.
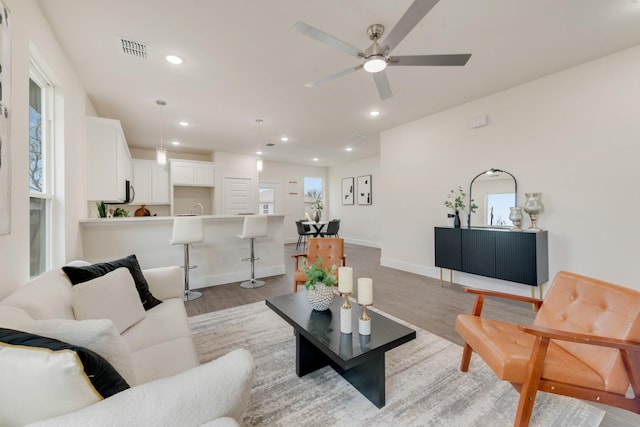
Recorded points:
187,230
254,226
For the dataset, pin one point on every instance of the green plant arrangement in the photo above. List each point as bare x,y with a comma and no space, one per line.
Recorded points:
456,200
317,274
121,212
102,209
317,206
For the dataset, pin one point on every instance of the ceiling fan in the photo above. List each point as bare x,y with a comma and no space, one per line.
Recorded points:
377,56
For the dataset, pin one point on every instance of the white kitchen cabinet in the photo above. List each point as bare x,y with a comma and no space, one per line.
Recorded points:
151,182
109,165
192,173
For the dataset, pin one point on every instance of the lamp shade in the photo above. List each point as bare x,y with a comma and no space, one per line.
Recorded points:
161,156
375,63
259,164
187,229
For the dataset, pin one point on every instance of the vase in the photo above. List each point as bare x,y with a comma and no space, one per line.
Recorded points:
317,216
516,218
456,220
533,206
320,296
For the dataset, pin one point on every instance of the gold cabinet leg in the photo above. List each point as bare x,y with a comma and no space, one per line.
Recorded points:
441,277
451,277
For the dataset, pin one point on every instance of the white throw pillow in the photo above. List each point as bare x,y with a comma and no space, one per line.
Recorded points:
112,296
98,335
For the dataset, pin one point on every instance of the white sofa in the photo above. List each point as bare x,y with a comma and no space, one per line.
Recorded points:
156,355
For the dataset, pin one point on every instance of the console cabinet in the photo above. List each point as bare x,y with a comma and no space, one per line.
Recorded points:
520,257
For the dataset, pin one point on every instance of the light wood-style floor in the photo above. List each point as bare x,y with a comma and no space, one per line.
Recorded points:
416,299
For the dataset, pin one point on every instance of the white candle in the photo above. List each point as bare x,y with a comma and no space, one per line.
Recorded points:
365,291
345,280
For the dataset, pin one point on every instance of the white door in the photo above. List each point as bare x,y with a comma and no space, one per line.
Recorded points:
237,196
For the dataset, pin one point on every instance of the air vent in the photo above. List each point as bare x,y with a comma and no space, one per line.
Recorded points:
133,48
269,144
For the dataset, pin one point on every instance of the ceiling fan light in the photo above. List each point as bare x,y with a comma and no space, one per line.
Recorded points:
375,63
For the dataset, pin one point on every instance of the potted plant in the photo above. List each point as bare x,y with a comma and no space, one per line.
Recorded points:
317,206
456,201
319,285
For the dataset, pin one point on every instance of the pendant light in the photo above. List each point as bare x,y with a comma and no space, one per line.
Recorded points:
161,153
259,159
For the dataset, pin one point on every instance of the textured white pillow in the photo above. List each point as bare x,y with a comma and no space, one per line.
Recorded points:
98,335
112,296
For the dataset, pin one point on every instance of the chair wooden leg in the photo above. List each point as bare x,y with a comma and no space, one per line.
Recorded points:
466,357
531,382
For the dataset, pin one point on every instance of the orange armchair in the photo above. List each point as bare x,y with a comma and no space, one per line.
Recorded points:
584,343
331,249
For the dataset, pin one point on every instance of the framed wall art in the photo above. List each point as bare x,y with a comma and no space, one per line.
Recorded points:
347,191
364,190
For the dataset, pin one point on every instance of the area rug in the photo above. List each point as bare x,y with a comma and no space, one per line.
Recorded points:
424,386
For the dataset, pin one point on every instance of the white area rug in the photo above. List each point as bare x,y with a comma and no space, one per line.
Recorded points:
424,384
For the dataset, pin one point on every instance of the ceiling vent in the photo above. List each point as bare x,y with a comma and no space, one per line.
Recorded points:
133,48
269,144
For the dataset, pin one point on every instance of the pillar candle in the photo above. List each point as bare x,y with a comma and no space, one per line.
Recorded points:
365,291
345,280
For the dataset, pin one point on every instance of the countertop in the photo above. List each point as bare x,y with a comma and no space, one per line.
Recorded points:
156,219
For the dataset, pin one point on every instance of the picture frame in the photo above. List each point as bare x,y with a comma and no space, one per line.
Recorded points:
347,191
364,190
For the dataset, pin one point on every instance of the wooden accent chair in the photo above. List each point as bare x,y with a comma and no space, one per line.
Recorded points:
584,343
331,249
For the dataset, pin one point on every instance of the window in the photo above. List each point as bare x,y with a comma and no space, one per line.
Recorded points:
313,199
267,200
40,188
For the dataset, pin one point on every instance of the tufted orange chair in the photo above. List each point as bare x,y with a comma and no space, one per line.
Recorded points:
584,343
331,249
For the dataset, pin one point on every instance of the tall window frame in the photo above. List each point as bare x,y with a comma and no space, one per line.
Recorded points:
40,170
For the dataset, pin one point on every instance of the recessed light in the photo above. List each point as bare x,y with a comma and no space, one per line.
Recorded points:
259,153
349,149
175,142
174,59
284,139
315,159
374,113
183,123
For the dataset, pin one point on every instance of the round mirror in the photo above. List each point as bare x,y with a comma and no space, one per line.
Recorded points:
494,191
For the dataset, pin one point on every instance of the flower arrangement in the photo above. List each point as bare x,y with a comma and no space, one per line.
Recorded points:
317,205
456,200
317,274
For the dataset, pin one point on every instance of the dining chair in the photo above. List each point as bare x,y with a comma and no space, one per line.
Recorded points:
304,231
331,249
332,228
583,343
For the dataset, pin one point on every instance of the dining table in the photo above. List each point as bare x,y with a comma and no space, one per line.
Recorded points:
318,226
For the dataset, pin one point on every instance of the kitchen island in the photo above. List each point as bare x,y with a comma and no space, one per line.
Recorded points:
218,258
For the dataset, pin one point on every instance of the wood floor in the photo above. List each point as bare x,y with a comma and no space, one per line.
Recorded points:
416,299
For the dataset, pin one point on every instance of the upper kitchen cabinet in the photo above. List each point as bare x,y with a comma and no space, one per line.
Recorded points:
151,182
109,165
192,173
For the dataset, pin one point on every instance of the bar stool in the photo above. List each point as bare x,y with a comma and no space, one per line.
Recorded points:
187,230
254,226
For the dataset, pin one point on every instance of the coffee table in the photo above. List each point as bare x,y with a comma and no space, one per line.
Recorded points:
319,342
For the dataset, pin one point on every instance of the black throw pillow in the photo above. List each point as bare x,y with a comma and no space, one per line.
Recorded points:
90,272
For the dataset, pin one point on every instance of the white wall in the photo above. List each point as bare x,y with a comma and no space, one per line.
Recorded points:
31,34
359,224
574,136
293,204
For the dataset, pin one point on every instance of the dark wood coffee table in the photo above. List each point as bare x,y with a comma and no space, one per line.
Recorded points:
319,342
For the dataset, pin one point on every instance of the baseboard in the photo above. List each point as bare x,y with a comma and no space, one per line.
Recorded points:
236,276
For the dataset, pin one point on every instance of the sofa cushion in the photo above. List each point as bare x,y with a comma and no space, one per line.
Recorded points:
83,274
98,335
43,377
46,297
112,296
13,317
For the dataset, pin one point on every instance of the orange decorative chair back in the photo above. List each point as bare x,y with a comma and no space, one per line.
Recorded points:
330,249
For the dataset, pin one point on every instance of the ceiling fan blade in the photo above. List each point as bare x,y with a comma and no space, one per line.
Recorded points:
382,82
444,60
410,19
332,77
327,39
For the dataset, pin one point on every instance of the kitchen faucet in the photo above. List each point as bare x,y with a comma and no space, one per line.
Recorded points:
193,209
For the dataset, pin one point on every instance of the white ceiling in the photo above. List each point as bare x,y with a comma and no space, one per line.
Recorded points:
244,62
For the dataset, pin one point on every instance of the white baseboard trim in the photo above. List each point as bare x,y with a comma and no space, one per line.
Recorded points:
359,242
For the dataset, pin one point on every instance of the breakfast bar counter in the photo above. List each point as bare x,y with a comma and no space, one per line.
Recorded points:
218,258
